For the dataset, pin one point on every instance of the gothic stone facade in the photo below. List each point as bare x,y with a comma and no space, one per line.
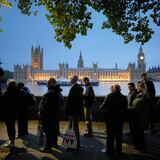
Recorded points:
36,72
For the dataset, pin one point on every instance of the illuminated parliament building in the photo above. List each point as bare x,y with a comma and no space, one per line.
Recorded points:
35,71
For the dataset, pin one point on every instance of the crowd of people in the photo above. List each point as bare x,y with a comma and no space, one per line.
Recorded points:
15,102
137,108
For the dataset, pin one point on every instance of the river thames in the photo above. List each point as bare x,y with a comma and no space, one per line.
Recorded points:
101,90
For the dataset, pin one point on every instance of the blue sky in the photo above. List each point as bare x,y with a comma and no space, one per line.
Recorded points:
20,32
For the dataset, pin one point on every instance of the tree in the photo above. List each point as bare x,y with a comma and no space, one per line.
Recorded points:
130,19
8,74
6,4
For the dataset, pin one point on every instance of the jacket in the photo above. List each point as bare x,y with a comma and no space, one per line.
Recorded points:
116,108
74,106
89,96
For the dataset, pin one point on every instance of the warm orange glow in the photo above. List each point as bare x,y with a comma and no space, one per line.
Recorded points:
105,76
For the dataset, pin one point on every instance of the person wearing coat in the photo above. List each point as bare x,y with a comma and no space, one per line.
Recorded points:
26,100
131,96
74,106
48,113
10,100
116,107
150,90
140,116
102,106
88,99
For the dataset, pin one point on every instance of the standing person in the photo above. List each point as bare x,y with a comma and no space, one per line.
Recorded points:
26,99
1,105
48,112
150,90
141,117
116,107
131,96
10,101
102,106
22,117
57,87
74,107
89,98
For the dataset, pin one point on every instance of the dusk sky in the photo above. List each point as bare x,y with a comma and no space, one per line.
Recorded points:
20,32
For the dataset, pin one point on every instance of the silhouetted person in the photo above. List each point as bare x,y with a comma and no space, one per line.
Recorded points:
116,107
88,99
74,107
0,92
48,112
140,117
57,87
1,104
11,101
1,107
131,96
26,99
150,90
102,106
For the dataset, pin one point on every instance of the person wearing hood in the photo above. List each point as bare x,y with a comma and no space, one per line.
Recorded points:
48,112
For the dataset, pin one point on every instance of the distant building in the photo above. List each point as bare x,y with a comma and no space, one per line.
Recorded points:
154,73
80,62
37,58
36,72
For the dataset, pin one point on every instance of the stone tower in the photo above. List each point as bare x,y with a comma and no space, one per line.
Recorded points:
141,62
37,58
80,61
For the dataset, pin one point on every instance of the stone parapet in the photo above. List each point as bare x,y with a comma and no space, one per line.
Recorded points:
98,114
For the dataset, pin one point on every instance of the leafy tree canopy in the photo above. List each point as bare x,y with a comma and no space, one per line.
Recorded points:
8,74
127,18
5,3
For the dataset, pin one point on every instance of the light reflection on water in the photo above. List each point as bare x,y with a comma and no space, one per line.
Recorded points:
101,90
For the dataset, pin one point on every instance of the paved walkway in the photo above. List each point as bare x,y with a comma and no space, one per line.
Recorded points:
91,147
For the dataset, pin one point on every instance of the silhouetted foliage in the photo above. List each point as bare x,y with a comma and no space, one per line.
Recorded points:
127,18
8,74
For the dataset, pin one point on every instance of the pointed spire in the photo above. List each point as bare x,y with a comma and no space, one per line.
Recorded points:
141,50
37,43
32,48
116,66
80,61
67,66
80,55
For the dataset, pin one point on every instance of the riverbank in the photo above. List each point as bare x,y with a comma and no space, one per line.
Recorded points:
91,147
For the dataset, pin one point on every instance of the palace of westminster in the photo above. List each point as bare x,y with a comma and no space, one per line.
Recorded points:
35,71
